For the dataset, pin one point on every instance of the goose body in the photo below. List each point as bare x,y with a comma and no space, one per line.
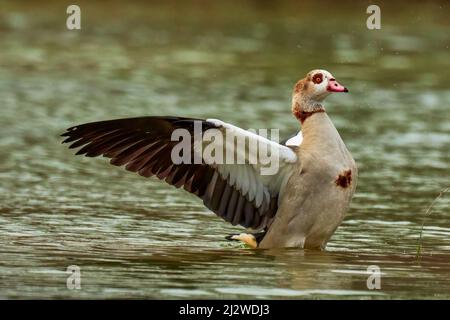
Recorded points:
316,197
299,204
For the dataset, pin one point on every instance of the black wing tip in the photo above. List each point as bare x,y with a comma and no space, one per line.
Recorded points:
71,133
78,153
173,119
69,138
67,133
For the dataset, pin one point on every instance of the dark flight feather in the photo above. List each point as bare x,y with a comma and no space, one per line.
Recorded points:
144,145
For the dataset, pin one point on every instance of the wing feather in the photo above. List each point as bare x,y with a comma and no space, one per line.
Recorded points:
239,193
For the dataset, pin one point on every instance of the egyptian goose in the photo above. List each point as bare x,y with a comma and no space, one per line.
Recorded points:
299,205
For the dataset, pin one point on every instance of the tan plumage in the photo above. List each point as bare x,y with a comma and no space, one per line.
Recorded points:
300,205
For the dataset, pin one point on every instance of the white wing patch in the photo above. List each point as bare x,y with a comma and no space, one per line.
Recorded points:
295,141
247,178
286,154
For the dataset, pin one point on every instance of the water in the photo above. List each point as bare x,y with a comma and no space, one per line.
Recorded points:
138,238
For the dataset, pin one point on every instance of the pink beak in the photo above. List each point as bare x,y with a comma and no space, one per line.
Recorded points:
334,86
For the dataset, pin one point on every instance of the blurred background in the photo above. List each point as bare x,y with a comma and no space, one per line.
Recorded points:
237,61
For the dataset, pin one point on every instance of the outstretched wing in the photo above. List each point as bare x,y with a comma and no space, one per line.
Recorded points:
239,193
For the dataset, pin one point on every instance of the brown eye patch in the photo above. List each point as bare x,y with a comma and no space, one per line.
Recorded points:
317,78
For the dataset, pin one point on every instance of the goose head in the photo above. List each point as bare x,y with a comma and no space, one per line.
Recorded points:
310,91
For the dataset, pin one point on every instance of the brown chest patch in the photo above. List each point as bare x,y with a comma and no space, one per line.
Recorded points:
344,179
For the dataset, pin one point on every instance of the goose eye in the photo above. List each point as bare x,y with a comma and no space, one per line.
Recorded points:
317,78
